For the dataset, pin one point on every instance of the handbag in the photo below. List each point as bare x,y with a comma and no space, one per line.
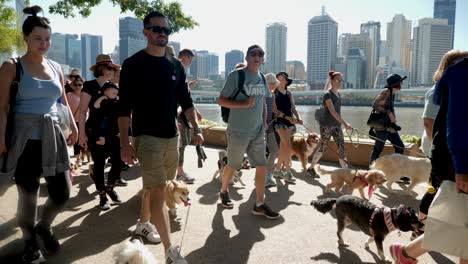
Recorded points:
446,228
320,115
64,119
378,119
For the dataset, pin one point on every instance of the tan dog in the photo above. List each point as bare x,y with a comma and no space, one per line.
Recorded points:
302,148
177,192
354,179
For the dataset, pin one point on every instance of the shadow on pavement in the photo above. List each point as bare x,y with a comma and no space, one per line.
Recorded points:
221,248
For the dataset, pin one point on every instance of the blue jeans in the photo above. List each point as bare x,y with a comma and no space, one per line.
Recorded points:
384,135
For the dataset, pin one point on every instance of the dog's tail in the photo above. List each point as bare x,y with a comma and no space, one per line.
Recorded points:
320,171
324,205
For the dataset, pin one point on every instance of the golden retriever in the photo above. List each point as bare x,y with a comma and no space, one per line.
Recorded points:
396,166
304,147
354,179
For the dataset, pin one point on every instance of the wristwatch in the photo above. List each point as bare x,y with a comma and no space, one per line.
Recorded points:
197,131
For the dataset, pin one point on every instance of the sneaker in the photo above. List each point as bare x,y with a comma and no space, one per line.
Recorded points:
148,231
125,167
396,250
185,178
103,202
265,210
113,194
225,200
269,182
121,182
278,174
312,172
288,177
51,243
173,256
32,254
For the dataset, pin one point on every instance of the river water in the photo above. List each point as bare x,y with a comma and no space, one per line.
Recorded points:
407,117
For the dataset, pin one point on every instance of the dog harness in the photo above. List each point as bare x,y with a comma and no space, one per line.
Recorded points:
362,178
387,214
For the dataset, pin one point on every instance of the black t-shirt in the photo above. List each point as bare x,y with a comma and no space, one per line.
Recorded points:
150,90
107,110
336,100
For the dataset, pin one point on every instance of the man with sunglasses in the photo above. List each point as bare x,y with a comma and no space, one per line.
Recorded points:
152,85
246,128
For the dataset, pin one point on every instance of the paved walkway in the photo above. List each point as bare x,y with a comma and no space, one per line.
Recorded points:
213,235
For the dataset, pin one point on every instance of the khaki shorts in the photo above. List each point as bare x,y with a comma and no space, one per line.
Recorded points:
158,159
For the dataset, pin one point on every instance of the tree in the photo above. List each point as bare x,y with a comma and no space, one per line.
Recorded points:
173,10
11,37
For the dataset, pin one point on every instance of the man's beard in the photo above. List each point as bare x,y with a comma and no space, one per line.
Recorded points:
160,42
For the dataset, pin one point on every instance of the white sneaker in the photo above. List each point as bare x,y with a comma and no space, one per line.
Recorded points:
173,256
148,231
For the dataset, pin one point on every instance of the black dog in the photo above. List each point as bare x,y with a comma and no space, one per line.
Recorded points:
375,221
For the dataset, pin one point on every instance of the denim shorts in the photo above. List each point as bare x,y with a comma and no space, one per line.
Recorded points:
252,144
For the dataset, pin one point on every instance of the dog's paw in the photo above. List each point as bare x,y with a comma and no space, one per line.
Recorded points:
341,243
366,245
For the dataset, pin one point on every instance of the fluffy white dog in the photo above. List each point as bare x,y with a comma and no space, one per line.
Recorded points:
396,166
133,252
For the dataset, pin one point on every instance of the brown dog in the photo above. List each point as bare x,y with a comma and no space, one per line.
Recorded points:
302,148
177,192
354,179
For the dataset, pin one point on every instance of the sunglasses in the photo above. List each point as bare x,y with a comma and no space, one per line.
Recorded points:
260,54
75,76
159,30
78,85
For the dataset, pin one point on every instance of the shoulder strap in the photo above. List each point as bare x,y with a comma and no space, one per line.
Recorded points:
16,81
241,81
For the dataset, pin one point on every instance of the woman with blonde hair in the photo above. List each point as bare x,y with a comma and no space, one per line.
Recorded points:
37,147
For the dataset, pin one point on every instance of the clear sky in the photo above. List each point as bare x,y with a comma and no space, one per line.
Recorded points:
226,25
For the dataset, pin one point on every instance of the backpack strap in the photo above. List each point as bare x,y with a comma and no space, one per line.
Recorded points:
240,84
16,80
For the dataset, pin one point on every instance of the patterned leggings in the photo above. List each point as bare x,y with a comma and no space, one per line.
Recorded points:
325,134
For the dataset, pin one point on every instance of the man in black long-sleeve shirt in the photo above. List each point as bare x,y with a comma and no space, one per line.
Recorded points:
152,85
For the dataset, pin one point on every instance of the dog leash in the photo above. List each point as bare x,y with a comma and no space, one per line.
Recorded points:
185,228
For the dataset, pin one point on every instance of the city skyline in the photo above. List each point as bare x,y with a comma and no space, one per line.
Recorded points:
235,33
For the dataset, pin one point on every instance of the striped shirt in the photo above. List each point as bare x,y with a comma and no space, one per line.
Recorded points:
269,106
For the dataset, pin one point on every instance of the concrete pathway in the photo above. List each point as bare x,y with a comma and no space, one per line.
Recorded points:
213,234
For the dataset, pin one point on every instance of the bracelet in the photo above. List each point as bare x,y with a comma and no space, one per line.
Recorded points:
197,131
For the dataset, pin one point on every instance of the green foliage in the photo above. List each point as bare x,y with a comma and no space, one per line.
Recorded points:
411,139
173,10
11,37
210,123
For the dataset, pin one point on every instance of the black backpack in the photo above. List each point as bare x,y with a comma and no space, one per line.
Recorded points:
240,89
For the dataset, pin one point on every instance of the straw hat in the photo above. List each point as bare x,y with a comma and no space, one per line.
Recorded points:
106,60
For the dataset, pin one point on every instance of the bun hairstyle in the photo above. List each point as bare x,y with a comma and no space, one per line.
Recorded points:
33,20
332,74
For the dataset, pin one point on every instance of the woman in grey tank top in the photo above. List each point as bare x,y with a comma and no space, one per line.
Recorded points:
38,148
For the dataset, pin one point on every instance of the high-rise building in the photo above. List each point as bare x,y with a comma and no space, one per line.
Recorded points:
296,70
176,46
340,52
356,67
91,46
372,29
231,58
57,50
73,51
383,71
276,35
382,52
322,35
131,38
363,43
432,39
399,42
205,65
446,9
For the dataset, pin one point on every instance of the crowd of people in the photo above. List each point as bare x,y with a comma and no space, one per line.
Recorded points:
129,112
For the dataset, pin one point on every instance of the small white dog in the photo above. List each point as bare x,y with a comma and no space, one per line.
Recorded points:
133,252
222,162
396,166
